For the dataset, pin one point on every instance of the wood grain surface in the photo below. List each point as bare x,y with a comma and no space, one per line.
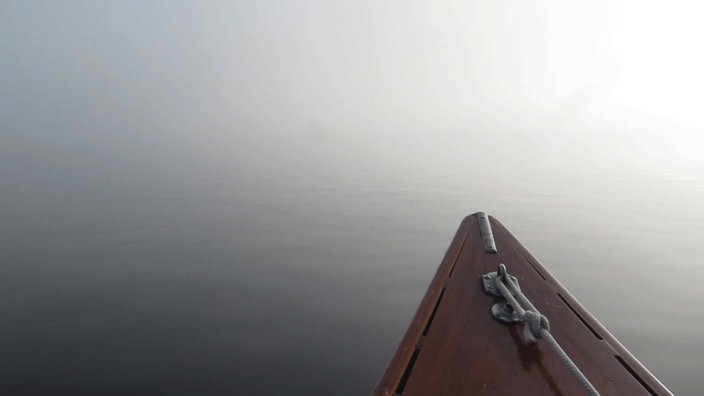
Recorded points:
454,346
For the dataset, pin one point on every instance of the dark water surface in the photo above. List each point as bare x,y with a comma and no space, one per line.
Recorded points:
166,230
299,275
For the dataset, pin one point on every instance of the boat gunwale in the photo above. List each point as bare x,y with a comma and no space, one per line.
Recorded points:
391,382
396,368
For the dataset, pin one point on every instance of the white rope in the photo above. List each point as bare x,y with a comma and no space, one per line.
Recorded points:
537,326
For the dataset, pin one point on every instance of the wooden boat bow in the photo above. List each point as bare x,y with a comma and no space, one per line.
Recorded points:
453,345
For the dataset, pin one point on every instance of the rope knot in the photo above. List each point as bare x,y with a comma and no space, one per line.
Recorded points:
535,324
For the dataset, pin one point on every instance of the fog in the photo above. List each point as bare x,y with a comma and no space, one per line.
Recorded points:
220,166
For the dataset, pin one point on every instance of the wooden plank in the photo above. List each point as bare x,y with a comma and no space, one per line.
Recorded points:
620,353
392,377
454,346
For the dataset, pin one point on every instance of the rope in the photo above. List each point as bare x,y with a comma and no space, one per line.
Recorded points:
537,326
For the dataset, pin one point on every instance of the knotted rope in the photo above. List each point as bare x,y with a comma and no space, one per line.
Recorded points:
537,325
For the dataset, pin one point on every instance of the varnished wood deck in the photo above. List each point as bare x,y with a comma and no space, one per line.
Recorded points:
454,346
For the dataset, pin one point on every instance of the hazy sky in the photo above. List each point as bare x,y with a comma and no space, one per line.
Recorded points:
350,67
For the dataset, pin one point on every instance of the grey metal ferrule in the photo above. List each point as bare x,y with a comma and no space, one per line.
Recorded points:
485,231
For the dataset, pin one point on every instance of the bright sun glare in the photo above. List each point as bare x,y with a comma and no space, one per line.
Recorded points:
633,68
660,84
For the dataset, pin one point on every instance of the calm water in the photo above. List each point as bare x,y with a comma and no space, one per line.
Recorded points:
297,269
158,236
